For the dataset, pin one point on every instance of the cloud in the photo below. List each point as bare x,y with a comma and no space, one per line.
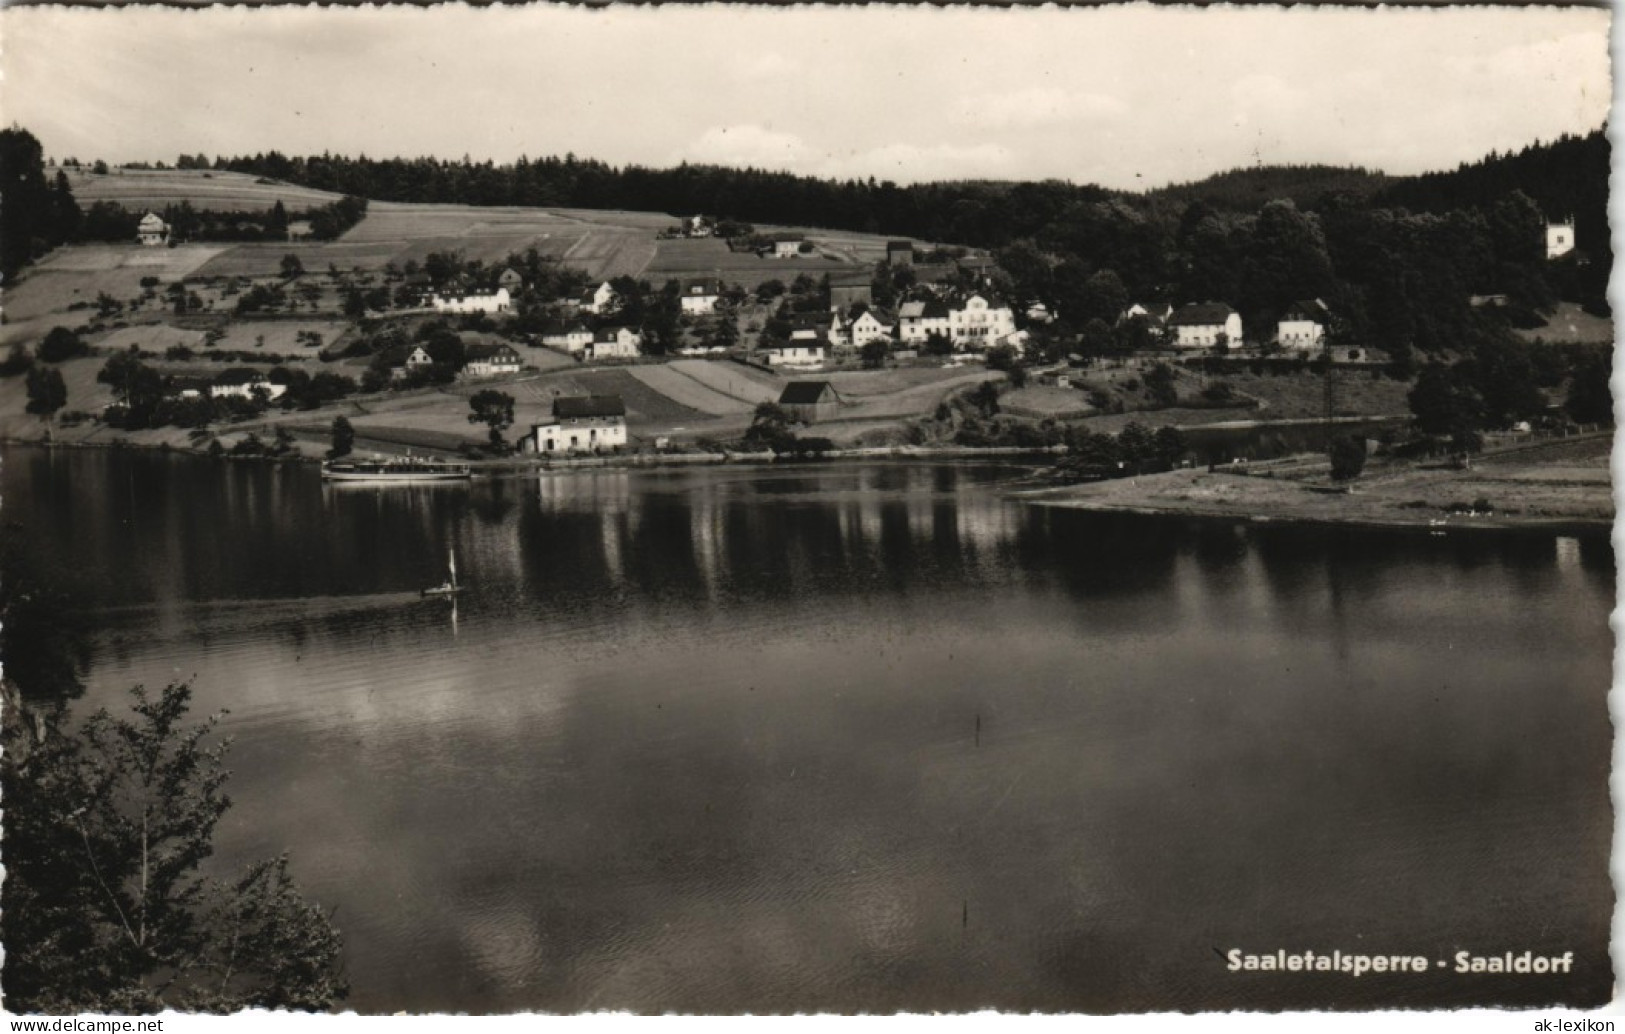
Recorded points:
1038,106
747,145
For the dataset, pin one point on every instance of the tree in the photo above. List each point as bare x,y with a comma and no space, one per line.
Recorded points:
494,409
104,907
727,332
343,437
18,360
291,266
1347,453
1169,445
1590,401
61,344
1444,406
46,391
1003,357
874,353
276,225
985,398
769,427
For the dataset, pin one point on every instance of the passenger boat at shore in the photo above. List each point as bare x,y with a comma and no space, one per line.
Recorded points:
398,470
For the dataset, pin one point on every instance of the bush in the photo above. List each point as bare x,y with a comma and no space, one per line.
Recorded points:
1348,458
17,361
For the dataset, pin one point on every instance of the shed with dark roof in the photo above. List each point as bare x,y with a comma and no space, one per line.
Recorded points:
810,401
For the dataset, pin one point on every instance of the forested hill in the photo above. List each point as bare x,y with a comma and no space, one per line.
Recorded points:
1566,177
1244,190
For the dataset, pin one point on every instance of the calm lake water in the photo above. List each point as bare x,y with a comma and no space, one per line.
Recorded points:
862,737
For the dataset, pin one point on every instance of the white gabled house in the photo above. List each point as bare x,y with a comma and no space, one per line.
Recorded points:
868,325
1206,325
1302,326
152,231
804,352
597,300
1559,239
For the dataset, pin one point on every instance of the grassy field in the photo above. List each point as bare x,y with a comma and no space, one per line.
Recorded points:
1047,401
226,191
674,382
266,259
1572,323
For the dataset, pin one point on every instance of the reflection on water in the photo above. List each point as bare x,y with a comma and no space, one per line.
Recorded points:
863,737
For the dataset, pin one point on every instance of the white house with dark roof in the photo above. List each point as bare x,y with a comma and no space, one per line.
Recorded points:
785,245
572,336
614,343
700,296
491,361
597,300
1205,325
918,320
1302,326
868,324
584,423
152,231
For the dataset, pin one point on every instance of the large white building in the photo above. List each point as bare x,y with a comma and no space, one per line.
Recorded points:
478,301
918,320
586,423
978,324
491,361
808,352
1206,325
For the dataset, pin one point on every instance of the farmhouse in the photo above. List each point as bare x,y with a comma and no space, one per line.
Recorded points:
584,423
849,289
1559,239
808,326
511,282
614,343
900,253
572,336
1206,325
698,226
476,301
152,231
244,384
700,296
918,320
979,266
401,368
786,245
491,361
802,352
1303,326
977,323
810,401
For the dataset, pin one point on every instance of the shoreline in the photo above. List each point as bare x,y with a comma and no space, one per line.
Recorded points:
1518,524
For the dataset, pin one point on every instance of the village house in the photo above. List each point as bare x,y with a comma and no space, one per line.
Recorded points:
1154,313
698,226
979,266
1303,326
849,289
977,323
864,325
614,343
785,245
491,361
584,423
810,351
152,231
918,320
808,326
572,336
511,282
475,301
246,384
700,296
900,253
1559,239
418,359
1206,325
597,300
810,401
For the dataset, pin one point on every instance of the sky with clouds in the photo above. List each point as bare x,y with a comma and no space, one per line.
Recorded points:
1129,96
